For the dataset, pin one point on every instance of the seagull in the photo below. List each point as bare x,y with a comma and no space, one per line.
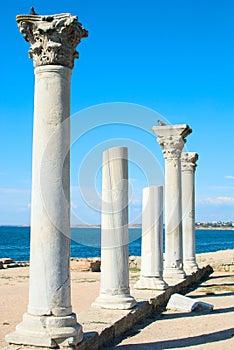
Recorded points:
160,123
32,12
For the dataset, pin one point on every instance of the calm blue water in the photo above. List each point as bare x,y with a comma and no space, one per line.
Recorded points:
15,241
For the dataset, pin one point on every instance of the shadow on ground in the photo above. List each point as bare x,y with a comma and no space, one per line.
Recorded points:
182,342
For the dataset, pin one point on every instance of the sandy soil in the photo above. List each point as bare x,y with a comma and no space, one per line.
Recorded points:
14,295
171,331
190,330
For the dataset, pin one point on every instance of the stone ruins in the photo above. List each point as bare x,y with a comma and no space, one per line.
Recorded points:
114,290
172,139
49,320
152,240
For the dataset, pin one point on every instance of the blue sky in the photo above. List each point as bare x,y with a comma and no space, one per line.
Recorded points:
169,58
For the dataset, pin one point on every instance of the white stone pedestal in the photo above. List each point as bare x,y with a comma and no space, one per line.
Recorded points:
114,289
152,240
188,166
172,138
50,321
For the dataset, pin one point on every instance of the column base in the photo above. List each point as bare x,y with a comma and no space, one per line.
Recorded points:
47,331
190,266
156,283
174,273
116,302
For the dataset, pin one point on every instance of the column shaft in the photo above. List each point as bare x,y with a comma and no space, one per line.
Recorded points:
49,292
114,289
188,211
152,240
173,215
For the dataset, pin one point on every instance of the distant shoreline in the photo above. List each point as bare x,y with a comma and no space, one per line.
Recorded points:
214,228
210,228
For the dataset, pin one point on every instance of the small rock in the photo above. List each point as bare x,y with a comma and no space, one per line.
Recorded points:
95,266
14,264
7,260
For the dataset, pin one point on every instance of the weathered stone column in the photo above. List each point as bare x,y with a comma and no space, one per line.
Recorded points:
152,240
172,138
114,289
49,321
188,166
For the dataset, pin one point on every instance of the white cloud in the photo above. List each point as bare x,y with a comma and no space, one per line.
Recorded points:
23,209
230,177
135,201
222,200
133,180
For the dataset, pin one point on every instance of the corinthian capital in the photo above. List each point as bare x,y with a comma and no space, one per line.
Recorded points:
171,138
188,161
53,38
172,146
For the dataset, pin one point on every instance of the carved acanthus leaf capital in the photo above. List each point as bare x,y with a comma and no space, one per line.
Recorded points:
53,38
172,146
188,161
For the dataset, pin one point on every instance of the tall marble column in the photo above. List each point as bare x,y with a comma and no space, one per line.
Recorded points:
152,240
114,289
172,139
49,321
188,167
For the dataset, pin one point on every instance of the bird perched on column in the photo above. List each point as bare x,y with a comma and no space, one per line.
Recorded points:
32,12
160,123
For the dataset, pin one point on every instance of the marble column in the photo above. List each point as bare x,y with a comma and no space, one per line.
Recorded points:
172,138
188,166
152,240
49,321
114,289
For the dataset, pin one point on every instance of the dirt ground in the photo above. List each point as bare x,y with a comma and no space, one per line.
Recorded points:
190,330
171,330
14,285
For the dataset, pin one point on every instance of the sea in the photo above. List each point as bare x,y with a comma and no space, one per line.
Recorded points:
85,242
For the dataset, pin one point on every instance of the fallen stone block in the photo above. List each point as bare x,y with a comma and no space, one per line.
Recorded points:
182,303
204,307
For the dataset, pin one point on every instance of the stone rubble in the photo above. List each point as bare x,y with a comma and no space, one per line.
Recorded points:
180,302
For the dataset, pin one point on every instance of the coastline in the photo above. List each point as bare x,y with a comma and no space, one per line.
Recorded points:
228,228
197,228
221,260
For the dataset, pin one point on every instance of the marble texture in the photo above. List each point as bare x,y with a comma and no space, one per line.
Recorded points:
172,139
49,320
188,166
183,303
53,38
114,288
152,240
